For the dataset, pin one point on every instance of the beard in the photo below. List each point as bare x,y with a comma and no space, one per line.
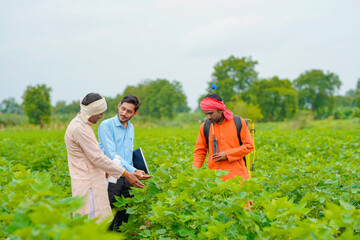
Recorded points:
217,120
124,119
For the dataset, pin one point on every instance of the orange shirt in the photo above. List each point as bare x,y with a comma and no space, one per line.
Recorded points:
228,142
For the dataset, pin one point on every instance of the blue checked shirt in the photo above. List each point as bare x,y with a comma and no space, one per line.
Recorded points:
114,139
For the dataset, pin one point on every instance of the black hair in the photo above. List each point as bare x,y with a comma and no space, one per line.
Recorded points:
132,99
214,95
90,97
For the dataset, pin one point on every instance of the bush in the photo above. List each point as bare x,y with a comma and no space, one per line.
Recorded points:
32,207
241,108
346,113
10,119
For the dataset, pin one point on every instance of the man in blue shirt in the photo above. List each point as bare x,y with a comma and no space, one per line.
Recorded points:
116,137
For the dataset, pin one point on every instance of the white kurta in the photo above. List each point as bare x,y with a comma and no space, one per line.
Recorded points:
87,167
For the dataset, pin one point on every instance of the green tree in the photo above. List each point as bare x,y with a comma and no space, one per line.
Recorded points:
316,90
37,104
348,100
112,103
160,98
233,76
245,110
276,97
344,101
357,99
62,108
351,93
10,106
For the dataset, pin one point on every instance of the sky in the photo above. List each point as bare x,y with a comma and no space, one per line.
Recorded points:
77,46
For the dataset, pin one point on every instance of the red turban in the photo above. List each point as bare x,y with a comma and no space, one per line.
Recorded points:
212,104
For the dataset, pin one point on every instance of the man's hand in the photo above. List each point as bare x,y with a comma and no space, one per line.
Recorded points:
133,179
140,174
221,156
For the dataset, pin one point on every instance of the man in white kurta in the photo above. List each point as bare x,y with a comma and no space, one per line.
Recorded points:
88,164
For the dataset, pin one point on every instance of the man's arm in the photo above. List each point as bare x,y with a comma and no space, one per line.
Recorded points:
237,153
87,141
200,149
107,141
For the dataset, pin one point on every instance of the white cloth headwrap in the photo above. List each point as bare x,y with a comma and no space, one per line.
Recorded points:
94,108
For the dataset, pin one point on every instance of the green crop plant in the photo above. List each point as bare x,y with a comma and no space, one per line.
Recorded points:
306,185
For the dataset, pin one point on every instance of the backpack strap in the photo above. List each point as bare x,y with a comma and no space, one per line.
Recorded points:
206,131
238,124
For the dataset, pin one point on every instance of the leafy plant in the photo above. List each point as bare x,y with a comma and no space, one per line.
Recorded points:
306,185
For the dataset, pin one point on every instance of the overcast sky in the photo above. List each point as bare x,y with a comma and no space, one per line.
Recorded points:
76,47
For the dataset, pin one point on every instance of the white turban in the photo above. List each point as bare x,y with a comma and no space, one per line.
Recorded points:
94,108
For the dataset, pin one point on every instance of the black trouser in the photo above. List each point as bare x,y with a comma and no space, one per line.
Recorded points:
121,188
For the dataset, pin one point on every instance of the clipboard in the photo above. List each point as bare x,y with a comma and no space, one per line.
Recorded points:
139,160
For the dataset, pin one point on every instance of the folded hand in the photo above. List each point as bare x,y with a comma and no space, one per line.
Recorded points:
221,156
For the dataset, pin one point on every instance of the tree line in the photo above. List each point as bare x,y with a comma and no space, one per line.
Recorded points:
160,98
261,99
275,99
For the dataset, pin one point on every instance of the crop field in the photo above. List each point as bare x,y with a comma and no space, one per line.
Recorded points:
306,185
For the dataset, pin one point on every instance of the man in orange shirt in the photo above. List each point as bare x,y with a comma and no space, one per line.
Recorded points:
230,153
